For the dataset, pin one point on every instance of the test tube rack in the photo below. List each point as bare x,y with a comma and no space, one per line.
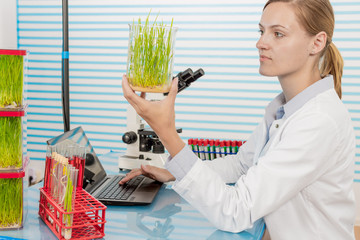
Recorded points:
209,149
88,219
88,213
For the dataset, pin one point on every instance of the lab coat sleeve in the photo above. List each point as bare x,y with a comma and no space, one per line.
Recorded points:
305,151
231,167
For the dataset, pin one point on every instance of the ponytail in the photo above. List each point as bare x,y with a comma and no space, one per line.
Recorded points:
332,63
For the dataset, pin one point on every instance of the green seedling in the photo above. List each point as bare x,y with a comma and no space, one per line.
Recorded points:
10,142
68,199
11,80
150,57
11,202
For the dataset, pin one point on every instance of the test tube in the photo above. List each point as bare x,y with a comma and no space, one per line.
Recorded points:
62,180
206,149
190,144
212,149
233,147
54,176
196,147
70,152
221,149
69,201
227,149
217,148
81,158
201,149
47,173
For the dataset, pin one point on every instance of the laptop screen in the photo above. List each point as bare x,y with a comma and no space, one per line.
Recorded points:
94,171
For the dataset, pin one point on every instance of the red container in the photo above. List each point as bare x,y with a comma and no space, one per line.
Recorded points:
12,200
13,137
13,77
88,215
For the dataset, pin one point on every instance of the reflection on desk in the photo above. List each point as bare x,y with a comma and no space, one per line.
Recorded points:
168,217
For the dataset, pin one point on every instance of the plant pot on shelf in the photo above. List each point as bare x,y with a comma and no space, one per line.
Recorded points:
11,204
151,57
12,147
13,65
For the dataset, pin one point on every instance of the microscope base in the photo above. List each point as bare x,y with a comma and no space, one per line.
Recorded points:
130,162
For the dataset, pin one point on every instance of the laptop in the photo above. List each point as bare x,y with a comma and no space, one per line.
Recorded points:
138,191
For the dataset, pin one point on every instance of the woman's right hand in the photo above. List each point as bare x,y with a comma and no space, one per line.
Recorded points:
158,174
160,115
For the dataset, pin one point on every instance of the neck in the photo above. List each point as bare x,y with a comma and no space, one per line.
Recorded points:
293,84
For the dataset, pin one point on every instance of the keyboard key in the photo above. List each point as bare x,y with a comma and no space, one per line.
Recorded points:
115,191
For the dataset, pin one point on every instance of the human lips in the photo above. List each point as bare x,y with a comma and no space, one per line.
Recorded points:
264,58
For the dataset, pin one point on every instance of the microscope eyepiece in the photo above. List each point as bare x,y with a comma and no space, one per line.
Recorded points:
197,74
183,76
187,77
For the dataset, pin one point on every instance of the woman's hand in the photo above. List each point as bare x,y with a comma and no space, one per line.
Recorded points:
160,115
158,174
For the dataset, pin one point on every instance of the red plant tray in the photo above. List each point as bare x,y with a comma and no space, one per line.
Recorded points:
12,113
88,219
12,52
12,174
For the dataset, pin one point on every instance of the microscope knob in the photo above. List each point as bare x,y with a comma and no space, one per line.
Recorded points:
129,137
158,147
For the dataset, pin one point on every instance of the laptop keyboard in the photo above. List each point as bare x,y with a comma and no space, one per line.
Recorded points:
120,192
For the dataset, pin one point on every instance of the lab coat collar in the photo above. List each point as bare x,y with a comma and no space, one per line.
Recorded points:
308,93
298,101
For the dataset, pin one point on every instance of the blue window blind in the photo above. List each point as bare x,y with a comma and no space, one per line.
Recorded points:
218,36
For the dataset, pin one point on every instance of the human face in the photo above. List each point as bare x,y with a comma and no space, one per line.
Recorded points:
284,45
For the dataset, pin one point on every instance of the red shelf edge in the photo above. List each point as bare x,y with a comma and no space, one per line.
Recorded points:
17,52
12,113
12,174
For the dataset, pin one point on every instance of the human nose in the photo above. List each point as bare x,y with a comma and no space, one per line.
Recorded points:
262,43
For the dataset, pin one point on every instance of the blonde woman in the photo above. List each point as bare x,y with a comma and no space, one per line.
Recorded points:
296,169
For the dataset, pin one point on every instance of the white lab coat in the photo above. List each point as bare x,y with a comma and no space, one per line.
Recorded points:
300,182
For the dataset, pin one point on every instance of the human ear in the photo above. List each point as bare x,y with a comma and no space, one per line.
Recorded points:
319,43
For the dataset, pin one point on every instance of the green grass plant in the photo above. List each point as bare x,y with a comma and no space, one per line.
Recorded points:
68,198
10,142
11,80
11,202
68,202
150,57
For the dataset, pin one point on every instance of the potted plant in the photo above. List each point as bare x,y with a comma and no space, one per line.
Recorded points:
11,203
11,78
151,56
10,142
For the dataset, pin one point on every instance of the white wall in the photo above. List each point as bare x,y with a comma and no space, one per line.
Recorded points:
231,72
8,36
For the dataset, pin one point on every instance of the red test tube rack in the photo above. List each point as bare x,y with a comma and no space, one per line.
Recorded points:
86,218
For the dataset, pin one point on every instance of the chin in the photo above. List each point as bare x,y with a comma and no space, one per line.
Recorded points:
267,73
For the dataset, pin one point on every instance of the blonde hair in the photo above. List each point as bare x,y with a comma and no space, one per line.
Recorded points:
317,16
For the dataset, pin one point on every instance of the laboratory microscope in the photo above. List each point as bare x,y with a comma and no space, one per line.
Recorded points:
143,145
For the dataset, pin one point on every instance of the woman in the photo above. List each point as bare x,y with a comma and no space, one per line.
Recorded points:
296,169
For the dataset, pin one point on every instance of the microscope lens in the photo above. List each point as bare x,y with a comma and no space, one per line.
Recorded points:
185,75
198,73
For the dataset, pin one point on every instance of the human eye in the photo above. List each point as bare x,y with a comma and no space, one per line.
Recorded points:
261,32
278,34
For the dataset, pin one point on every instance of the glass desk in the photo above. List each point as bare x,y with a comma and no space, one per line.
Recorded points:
168,217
